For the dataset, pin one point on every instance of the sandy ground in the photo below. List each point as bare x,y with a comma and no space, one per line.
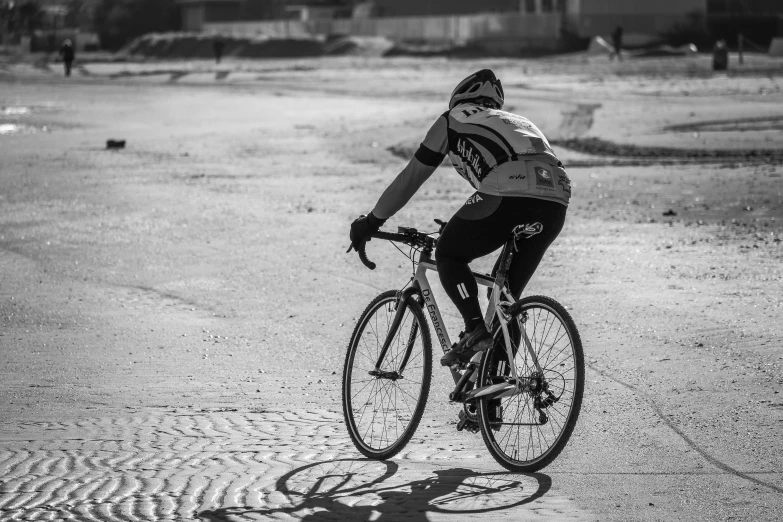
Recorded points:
173,316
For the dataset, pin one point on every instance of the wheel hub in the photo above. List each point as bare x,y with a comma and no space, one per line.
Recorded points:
380,374
536,382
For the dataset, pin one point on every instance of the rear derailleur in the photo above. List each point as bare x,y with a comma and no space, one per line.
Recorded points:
543,397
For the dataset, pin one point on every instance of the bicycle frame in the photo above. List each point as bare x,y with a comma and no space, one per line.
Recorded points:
501,299
431,306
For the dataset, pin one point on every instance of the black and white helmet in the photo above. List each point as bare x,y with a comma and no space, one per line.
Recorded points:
481,84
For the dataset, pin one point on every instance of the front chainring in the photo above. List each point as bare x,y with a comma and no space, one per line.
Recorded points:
471,411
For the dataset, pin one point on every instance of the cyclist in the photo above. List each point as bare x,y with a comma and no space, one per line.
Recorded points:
518,181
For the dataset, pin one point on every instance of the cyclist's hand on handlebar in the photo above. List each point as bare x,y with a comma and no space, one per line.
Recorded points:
362,230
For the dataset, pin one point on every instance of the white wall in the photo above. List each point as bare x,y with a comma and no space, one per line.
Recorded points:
638,7
541,28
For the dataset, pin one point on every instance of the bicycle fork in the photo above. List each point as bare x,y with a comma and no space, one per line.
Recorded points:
406,294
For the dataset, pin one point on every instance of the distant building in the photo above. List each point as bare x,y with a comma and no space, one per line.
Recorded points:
757,20
45,28
325,11
516,23
195,13
601,17
394,8
745,7
68,12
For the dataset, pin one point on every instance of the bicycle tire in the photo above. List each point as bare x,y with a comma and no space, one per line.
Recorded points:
542,313
369,334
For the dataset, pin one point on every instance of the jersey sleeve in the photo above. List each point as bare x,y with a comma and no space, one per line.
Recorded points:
402,189
436,143
424,162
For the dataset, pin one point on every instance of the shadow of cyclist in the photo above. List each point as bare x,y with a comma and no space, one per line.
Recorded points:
344,496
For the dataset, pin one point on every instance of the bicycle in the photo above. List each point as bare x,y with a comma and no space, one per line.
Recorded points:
526,390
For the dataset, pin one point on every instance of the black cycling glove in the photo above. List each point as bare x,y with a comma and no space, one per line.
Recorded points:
363,228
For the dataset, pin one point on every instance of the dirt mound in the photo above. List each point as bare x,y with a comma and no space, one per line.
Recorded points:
599,147
194,45
641,46
425,49
357,45
602,152
197,45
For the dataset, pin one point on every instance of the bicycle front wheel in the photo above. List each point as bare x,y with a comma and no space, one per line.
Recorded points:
527,430
383,400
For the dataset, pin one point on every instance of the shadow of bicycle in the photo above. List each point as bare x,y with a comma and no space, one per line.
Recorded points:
352,489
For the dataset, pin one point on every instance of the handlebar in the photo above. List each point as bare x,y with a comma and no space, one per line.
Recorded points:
409,236
363,257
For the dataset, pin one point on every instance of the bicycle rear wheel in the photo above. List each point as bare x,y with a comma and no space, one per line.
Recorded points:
383,406
528,430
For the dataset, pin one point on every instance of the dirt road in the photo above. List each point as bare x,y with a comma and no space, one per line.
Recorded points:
173,315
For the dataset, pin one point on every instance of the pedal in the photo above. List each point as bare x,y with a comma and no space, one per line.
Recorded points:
463,420
466,423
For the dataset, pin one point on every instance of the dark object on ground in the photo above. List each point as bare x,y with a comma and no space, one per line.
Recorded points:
670,212
115,144
720,56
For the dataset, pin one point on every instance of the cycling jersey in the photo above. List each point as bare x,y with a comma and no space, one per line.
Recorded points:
497,152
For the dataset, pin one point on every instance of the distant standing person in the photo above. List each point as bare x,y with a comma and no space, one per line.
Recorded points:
617,43
217,46
68,54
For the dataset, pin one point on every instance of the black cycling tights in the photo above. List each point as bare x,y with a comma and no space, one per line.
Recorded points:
482,226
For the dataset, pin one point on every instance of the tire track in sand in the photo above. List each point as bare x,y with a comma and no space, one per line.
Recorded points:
668,421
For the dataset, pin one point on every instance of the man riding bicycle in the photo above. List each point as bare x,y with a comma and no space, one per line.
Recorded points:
518,181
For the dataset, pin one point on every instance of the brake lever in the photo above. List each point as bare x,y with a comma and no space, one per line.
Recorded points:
442,225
